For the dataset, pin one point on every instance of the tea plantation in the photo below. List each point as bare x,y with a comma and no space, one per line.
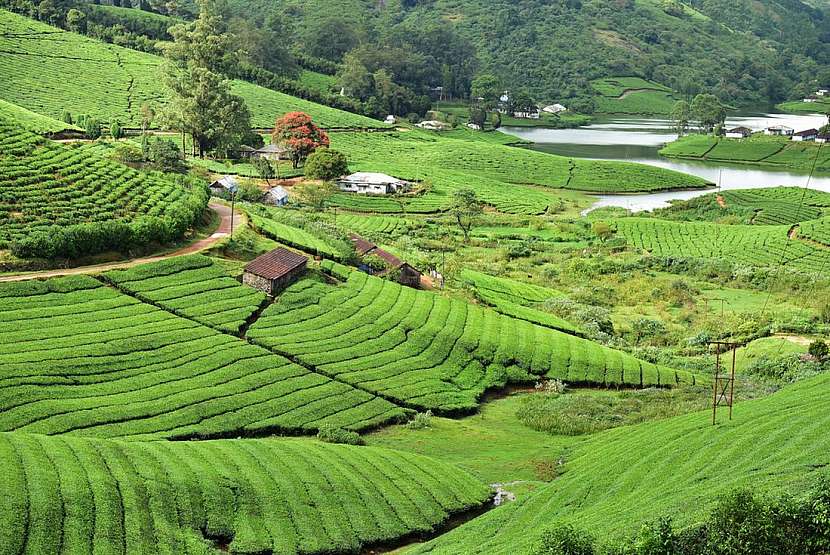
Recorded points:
677,467
111,82
756,245
56,200
428,352
82,358
87,496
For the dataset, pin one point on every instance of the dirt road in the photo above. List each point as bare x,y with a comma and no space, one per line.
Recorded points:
221,232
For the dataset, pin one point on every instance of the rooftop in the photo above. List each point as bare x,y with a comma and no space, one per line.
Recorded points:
278,192
807,132
228,182
267,149
371,177
276,264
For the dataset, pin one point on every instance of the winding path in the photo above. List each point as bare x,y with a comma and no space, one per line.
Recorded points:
223,231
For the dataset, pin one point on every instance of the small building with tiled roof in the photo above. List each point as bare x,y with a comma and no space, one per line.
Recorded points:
274,271
277,196
407,274
272,152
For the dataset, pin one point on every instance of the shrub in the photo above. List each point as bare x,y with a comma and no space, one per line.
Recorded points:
330,434
127,153
421,421
818,349
165,156
326,164
564,539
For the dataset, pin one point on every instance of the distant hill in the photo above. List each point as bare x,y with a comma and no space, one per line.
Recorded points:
111,82
746,50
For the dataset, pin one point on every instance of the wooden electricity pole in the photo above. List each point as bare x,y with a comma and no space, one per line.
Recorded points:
723,386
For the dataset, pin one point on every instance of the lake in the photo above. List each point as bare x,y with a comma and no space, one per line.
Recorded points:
637,139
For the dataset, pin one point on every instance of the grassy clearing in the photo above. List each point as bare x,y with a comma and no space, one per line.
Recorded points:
632,95
85,496
799,106
111,82
772,444
492,445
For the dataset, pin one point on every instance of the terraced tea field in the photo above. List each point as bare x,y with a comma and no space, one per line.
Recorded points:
193,287
780,205
31,121
83,359
84,204
292,236
83,496
430,352
517,299
111,82
774,444
632,95
754,245
816,230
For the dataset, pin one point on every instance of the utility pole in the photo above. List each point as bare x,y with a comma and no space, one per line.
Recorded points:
233,214
723,386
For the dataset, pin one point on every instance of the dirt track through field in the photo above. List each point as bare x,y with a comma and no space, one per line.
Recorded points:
221,232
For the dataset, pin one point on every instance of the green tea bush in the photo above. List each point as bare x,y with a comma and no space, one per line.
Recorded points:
330,434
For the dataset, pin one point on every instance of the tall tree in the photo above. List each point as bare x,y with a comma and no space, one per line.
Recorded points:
297,132
465,208
681,113
200,103
708,111
486,90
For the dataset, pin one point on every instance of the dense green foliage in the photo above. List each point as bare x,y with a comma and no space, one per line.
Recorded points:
556,49
59,201
193,287
85,359
82,496
776,442
112,82
430,352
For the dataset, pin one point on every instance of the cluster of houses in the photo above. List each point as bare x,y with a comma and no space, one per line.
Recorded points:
820,95
781,131
227,187
528,113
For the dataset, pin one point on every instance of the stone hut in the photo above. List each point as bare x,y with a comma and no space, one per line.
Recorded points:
274,271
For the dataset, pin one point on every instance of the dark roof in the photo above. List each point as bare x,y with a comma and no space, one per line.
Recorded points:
807,132
361,245
823,136
276,264
393,261
739,130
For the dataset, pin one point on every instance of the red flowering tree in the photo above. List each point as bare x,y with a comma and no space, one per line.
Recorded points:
299,135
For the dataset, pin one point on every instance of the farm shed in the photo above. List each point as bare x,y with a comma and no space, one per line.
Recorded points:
272,152
274,271
224,186
779,130
738,133
277,196
806,135
244,151
370,183
407,274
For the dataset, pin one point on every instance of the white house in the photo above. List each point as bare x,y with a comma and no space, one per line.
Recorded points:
806,135
811,99
272,152
474,126
738,133
554,109
779,130
432,125
370,183
822,92
277,196
526,115
390,119
224,186
505,98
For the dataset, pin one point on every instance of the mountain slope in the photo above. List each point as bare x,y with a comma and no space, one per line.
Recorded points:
85,76
677,467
